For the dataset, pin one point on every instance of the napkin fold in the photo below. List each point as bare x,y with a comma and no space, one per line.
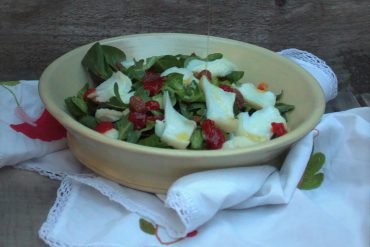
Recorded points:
234,211
228,207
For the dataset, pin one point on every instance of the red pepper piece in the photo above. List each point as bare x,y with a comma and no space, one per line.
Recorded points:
152,82
278,129
88,92
206,73
213,135
137,104
152,105
239,99
104,127
138,119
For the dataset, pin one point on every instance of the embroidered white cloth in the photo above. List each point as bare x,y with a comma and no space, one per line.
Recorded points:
92,211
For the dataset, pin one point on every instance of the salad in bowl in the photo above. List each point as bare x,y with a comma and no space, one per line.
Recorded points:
176,101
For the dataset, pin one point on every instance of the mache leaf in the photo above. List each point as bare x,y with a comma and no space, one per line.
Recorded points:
88,121
165,62
284,108
94,62
124,126
311,182
234,76
214,56
133,136
153,141
316,162
196,140
113,56
146,226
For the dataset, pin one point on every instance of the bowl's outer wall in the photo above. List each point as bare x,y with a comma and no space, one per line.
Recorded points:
155,169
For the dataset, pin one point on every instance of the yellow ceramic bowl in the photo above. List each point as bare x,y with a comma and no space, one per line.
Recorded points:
154,169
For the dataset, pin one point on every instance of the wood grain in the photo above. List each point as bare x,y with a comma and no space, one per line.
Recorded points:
25,199
34,33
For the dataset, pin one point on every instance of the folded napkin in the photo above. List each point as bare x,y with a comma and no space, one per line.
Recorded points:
200,209
93,211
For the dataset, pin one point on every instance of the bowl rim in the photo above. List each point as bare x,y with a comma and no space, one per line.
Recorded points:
71,124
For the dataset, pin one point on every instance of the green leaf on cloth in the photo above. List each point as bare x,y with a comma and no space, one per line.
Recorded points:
9,83
147,227
312,178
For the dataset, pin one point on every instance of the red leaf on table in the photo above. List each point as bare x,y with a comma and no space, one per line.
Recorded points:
47,128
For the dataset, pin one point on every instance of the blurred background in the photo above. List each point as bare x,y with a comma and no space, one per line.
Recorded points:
34,33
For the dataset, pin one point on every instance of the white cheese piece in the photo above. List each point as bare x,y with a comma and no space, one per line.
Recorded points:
112,133
105,90
257,127
107,115
175,129
256,97
128,63
219,67
238,142
220,105
188,74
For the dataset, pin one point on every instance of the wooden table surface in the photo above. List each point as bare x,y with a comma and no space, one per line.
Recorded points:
34,33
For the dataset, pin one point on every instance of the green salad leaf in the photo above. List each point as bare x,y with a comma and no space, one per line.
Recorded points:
94,62
234,76
312,178
76,106
88,121
113,56
136,71
153,141
164,62
196,140
214,56
147,227
189,93
124,126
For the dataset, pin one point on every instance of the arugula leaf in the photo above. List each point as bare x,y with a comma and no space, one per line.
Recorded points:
88,121
124,126
9,83
234,76
165,62
214,56
153,141
196,140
